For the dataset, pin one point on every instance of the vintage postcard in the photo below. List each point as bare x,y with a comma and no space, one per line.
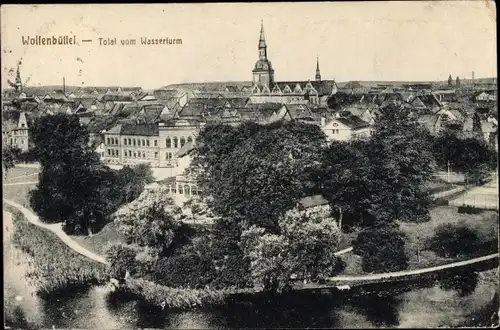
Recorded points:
250,165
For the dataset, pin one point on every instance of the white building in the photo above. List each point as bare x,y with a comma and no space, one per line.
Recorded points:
345,129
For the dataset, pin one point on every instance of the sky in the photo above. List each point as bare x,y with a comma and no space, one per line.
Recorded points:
408,41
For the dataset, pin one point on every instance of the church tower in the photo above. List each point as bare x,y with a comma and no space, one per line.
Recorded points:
318,74
263,73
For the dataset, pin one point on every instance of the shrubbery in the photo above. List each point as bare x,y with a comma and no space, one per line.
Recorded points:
382,249
469,209
460,240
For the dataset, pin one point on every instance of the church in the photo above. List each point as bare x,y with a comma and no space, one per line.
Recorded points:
266,89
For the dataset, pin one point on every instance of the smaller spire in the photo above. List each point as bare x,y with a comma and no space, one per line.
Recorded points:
318,74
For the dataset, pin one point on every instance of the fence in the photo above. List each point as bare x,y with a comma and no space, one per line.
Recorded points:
482,201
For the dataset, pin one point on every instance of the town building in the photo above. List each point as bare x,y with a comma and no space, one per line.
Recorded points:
15,129
345,128
131,144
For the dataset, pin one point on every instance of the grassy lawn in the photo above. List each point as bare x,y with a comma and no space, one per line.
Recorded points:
485,223
98,242
18,193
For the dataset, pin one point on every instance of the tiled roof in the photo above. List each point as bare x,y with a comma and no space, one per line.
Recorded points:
297,111
133,129
116,98
166,94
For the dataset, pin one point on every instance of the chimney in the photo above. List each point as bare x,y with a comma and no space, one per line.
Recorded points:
64,86
473,77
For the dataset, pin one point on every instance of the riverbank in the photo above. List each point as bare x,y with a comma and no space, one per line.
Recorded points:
54,265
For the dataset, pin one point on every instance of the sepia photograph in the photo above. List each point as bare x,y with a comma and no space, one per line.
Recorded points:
250,165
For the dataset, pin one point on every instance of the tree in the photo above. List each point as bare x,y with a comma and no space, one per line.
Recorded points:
10,156
305,248
463,154
132,181
152,220
381,179
457,83
340,100
74,187
67,139
270,264
382,248
255,173
476,125
450,81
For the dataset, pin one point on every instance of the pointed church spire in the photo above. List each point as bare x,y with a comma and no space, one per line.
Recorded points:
318,74
262,39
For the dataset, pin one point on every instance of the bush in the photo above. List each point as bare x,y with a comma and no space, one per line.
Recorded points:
454,240
191,270
441,202
172,297
469,209
464,282
382,249
121,259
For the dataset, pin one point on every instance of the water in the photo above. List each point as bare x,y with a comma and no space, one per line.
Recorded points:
426,305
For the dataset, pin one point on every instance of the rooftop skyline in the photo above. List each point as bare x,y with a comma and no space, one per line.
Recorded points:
386,41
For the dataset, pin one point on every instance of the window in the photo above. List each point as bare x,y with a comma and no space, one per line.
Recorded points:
183,141
130,153
147,142
135,154
173,190
143,154
107,141
116,140
168,143
143,142
133,141
125,141
175,142
156,154
193,191
156,143
109,152
180,190
129,142
190,139
117,153
186,189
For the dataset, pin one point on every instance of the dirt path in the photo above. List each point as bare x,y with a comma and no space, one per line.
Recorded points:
56,229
